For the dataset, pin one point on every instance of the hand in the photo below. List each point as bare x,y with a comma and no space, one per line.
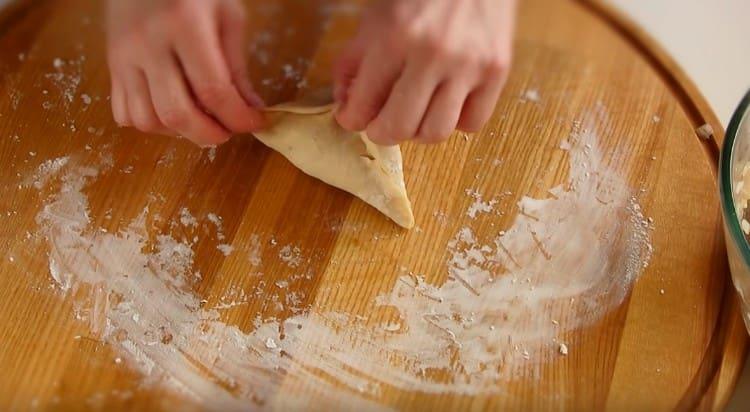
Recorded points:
178,67
422,68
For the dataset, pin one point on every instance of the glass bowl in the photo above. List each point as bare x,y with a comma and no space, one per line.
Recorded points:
734,188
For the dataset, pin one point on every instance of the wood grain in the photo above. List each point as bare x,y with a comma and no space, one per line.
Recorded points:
680,349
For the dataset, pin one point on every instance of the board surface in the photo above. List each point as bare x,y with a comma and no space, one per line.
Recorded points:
567,255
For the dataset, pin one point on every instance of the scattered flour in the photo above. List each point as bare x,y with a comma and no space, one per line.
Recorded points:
211,152
572,257
46,171
187,219
531,95
67,77
217,222
291,255
225,249
479,206
255,256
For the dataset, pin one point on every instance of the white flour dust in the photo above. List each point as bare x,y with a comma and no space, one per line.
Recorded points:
141,303
187,219
46,171
479,205
508,303
67,77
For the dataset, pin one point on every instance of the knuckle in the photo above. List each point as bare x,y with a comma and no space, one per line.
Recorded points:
435,50
497,66
434,47
469,59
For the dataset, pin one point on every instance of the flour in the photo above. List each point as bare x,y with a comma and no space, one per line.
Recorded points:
254,256
217,222
291,256
67,77
187,219
479,205
225,249
509,299
211,153
531,95
46,171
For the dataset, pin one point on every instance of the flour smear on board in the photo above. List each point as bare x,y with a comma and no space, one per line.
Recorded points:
507,304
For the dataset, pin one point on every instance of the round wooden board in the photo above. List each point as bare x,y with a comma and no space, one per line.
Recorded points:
676,341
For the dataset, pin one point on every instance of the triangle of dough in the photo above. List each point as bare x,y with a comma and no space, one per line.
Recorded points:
308,135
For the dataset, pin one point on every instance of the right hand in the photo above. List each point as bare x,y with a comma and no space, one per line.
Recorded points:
418,69
178,68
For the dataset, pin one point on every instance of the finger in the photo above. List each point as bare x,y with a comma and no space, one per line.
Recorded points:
443,112
481,103
208,75
119,103
233,25
176,108
345,69
140,105
404,110
369,90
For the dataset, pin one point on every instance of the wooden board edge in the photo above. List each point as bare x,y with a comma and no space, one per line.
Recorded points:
691,100
699,112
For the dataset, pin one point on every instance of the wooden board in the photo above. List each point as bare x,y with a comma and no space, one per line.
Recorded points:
675,340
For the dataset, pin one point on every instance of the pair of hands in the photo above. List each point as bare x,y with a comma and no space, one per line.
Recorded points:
416,69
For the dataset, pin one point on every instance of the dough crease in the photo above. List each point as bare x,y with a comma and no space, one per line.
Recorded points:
308,135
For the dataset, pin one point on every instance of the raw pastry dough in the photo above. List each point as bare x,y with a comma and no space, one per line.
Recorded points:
307,134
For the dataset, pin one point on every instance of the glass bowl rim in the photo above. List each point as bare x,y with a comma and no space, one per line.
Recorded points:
731,220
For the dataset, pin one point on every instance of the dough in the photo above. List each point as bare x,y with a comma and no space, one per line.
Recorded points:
307,134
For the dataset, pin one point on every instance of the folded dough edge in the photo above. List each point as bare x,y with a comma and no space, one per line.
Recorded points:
310,138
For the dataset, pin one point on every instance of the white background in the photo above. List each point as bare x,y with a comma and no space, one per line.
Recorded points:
710,39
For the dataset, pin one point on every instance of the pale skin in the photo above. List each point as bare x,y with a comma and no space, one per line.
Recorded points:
416,69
